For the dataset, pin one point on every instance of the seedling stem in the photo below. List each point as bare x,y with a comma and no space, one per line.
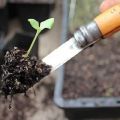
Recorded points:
31,46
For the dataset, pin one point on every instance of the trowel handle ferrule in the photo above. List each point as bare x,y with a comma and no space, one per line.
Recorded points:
87,34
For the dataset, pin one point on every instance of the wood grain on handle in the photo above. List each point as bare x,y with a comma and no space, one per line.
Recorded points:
109,21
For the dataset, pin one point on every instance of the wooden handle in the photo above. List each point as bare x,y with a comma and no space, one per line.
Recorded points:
109,21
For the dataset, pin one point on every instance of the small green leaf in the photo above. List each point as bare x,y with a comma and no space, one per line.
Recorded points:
34,23
47,24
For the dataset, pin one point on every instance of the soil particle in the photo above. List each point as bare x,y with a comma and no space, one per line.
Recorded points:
21,73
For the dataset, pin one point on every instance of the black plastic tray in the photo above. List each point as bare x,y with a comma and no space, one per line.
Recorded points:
82,107
85,107
4,19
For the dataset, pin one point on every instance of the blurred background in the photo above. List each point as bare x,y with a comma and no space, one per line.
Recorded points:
15,30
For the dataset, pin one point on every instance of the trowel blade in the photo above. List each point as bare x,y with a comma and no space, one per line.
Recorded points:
62,54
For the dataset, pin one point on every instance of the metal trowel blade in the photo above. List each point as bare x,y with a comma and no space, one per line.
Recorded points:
62,54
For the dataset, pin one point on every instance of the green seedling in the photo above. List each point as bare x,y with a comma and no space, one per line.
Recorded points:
38,27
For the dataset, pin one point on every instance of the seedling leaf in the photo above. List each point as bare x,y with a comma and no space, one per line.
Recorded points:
47,24
34,23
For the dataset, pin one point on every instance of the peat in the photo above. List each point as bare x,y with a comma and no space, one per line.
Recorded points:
21,73
95,72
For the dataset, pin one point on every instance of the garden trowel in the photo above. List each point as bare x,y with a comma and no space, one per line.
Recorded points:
101,27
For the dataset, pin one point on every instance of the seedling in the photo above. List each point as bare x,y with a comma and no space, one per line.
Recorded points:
20,71
39,27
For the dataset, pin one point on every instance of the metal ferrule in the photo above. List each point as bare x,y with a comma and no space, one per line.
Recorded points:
87,34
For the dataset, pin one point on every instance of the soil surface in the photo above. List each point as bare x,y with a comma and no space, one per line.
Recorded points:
95,72
21,73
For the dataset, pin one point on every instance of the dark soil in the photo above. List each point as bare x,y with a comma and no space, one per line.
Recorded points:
21,73
95,72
